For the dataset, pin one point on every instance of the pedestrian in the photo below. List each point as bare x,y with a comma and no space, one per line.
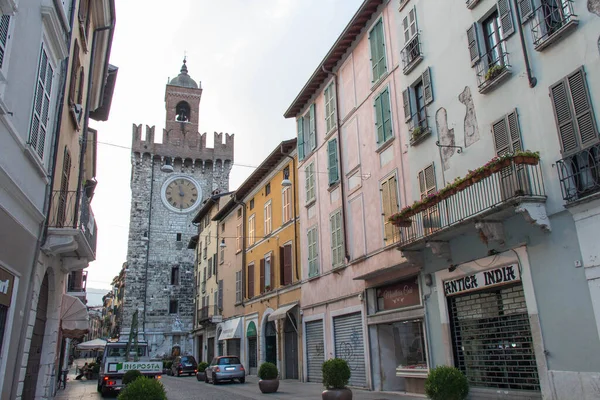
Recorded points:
82,371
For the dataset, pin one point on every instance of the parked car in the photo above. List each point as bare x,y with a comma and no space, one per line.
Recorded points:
184,365
225,368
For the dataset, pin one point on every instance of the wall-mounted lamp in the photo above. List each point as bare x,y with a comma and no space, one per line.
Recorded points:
286,179
222,244
167,167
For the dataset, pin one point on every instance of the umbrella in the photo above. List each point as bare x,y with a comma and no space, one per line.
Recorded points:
96,344
74,319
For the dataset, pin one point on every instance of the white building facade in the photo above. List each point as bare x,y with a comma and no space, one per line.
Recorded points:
508,257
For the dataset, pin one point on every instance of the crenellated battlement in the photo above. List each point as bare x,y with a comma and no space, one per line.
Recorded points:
183,144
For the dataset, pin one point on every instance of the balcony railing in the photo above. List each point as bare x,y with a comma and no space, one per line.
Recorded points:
207,312
77,282
492,67
72,211
579,174
553,19
411,54
418,127
514,184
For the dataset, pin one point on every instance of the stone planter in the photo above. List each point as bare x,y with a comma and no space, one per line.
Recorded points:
337,394
268,385
201,376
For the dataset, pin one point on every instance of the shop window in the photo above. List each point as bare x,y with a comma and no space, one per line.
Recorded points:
409,346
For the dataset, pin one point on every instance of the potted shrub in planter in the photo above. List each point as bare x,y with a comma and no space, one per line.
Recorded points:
416,133
494,71
336,374
446,383
201,374
269,381
131,376
144,388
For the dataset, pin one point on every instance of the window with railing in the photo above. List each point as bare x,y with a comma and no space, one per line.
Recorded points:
579,174
415,99
551,19
494,62
411,53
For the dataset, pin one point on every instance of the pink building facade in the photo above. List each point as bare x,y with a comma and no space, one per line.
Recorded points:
361,299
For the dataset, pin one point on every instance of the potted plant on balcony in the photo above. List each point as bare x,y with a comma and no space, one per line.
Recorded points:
268,374
494,71
416,133
89,186
496,164
400,220
527,157
336,374
461,183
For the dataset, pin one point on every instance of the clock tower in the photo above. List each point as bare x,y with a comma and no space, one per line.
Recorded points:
169,181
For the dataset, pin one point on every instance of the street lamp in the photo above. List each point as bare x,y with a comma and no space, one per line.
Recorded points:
222,244
286,179
167,167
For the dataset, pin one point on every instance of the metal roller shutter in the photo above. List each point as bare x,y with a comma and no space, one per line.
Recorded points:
349,345
315,350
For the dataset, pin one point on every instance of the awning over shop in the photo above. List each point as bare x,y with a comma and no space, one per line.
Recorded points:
281,312
231,329
96,344
74,319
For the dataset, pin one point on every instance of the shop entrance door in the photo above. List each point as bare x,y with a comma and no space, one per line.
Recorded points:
210,350
315,350
492,340
252,358
349,345
200,346
271,343
291,348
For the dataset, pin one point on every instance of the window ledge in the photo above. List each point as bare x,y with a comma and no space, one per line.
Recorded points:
333,186
472,3
37,163
422,136
384,146
557,36
310,203
411,65
490,84
312,278
330,133
403,4
379,81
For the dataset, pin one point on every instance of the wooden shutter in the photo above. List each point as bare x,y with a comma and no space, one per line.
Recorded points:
413,21
427,88
406,28
75,66
64,188
300,143
220,305
312,135
381,67
332,161
41,106
473,41
584,114
386,112
378,119
80,88
374,53
564,117
287,264
526,8
272,271
506,20
512,120
250,281
281,266
262,275
4,24
406,104
501,137
427,181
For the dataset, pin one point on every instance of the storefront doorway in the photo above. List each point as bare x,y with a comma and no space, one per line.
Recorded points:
291,347
210,349
349,345
200,347
315,350
252,348
271,343
37,341
233,347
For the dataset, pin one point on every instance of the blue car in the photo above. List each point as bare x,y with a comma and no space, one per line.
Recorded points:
225,368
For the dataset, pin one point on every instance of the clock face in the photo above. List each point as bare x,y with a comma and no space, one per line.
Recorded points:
181,194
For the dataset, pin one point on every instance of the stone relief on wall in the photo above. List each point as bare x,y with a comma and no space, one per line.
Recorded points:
446,137
594,7
471,128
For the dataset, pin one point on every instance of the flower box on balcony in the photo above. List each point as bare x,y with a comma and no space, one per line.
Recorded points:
402,223
527,157
493,77
418,134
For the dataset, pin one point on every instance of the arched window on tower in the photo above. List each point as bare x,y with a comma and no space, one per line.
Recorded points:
183,112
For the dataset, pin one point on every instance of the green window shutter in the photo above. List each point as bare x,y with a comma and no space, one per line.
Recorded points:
332,161
406,104
312,135
374,53
377,50
386,113
379,119
300,143
381,45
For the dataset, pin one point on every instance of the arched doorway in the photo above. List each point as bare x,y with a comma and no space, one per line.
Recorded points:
271,343
291,347
37,341
252,348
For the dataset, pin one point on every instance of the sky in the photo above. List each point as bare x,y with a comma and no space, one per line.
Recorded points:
252,57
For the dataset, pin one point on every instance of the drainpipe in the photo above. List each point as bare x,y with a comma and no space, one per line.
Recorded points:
87,104
339,148
147,247
532,79
294,211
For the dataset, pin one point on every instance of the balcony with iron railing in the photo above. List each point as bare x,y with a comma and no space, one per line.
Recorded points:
492,68
418,127
209,314
411,54
552,20
579,174
514,188
72,229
